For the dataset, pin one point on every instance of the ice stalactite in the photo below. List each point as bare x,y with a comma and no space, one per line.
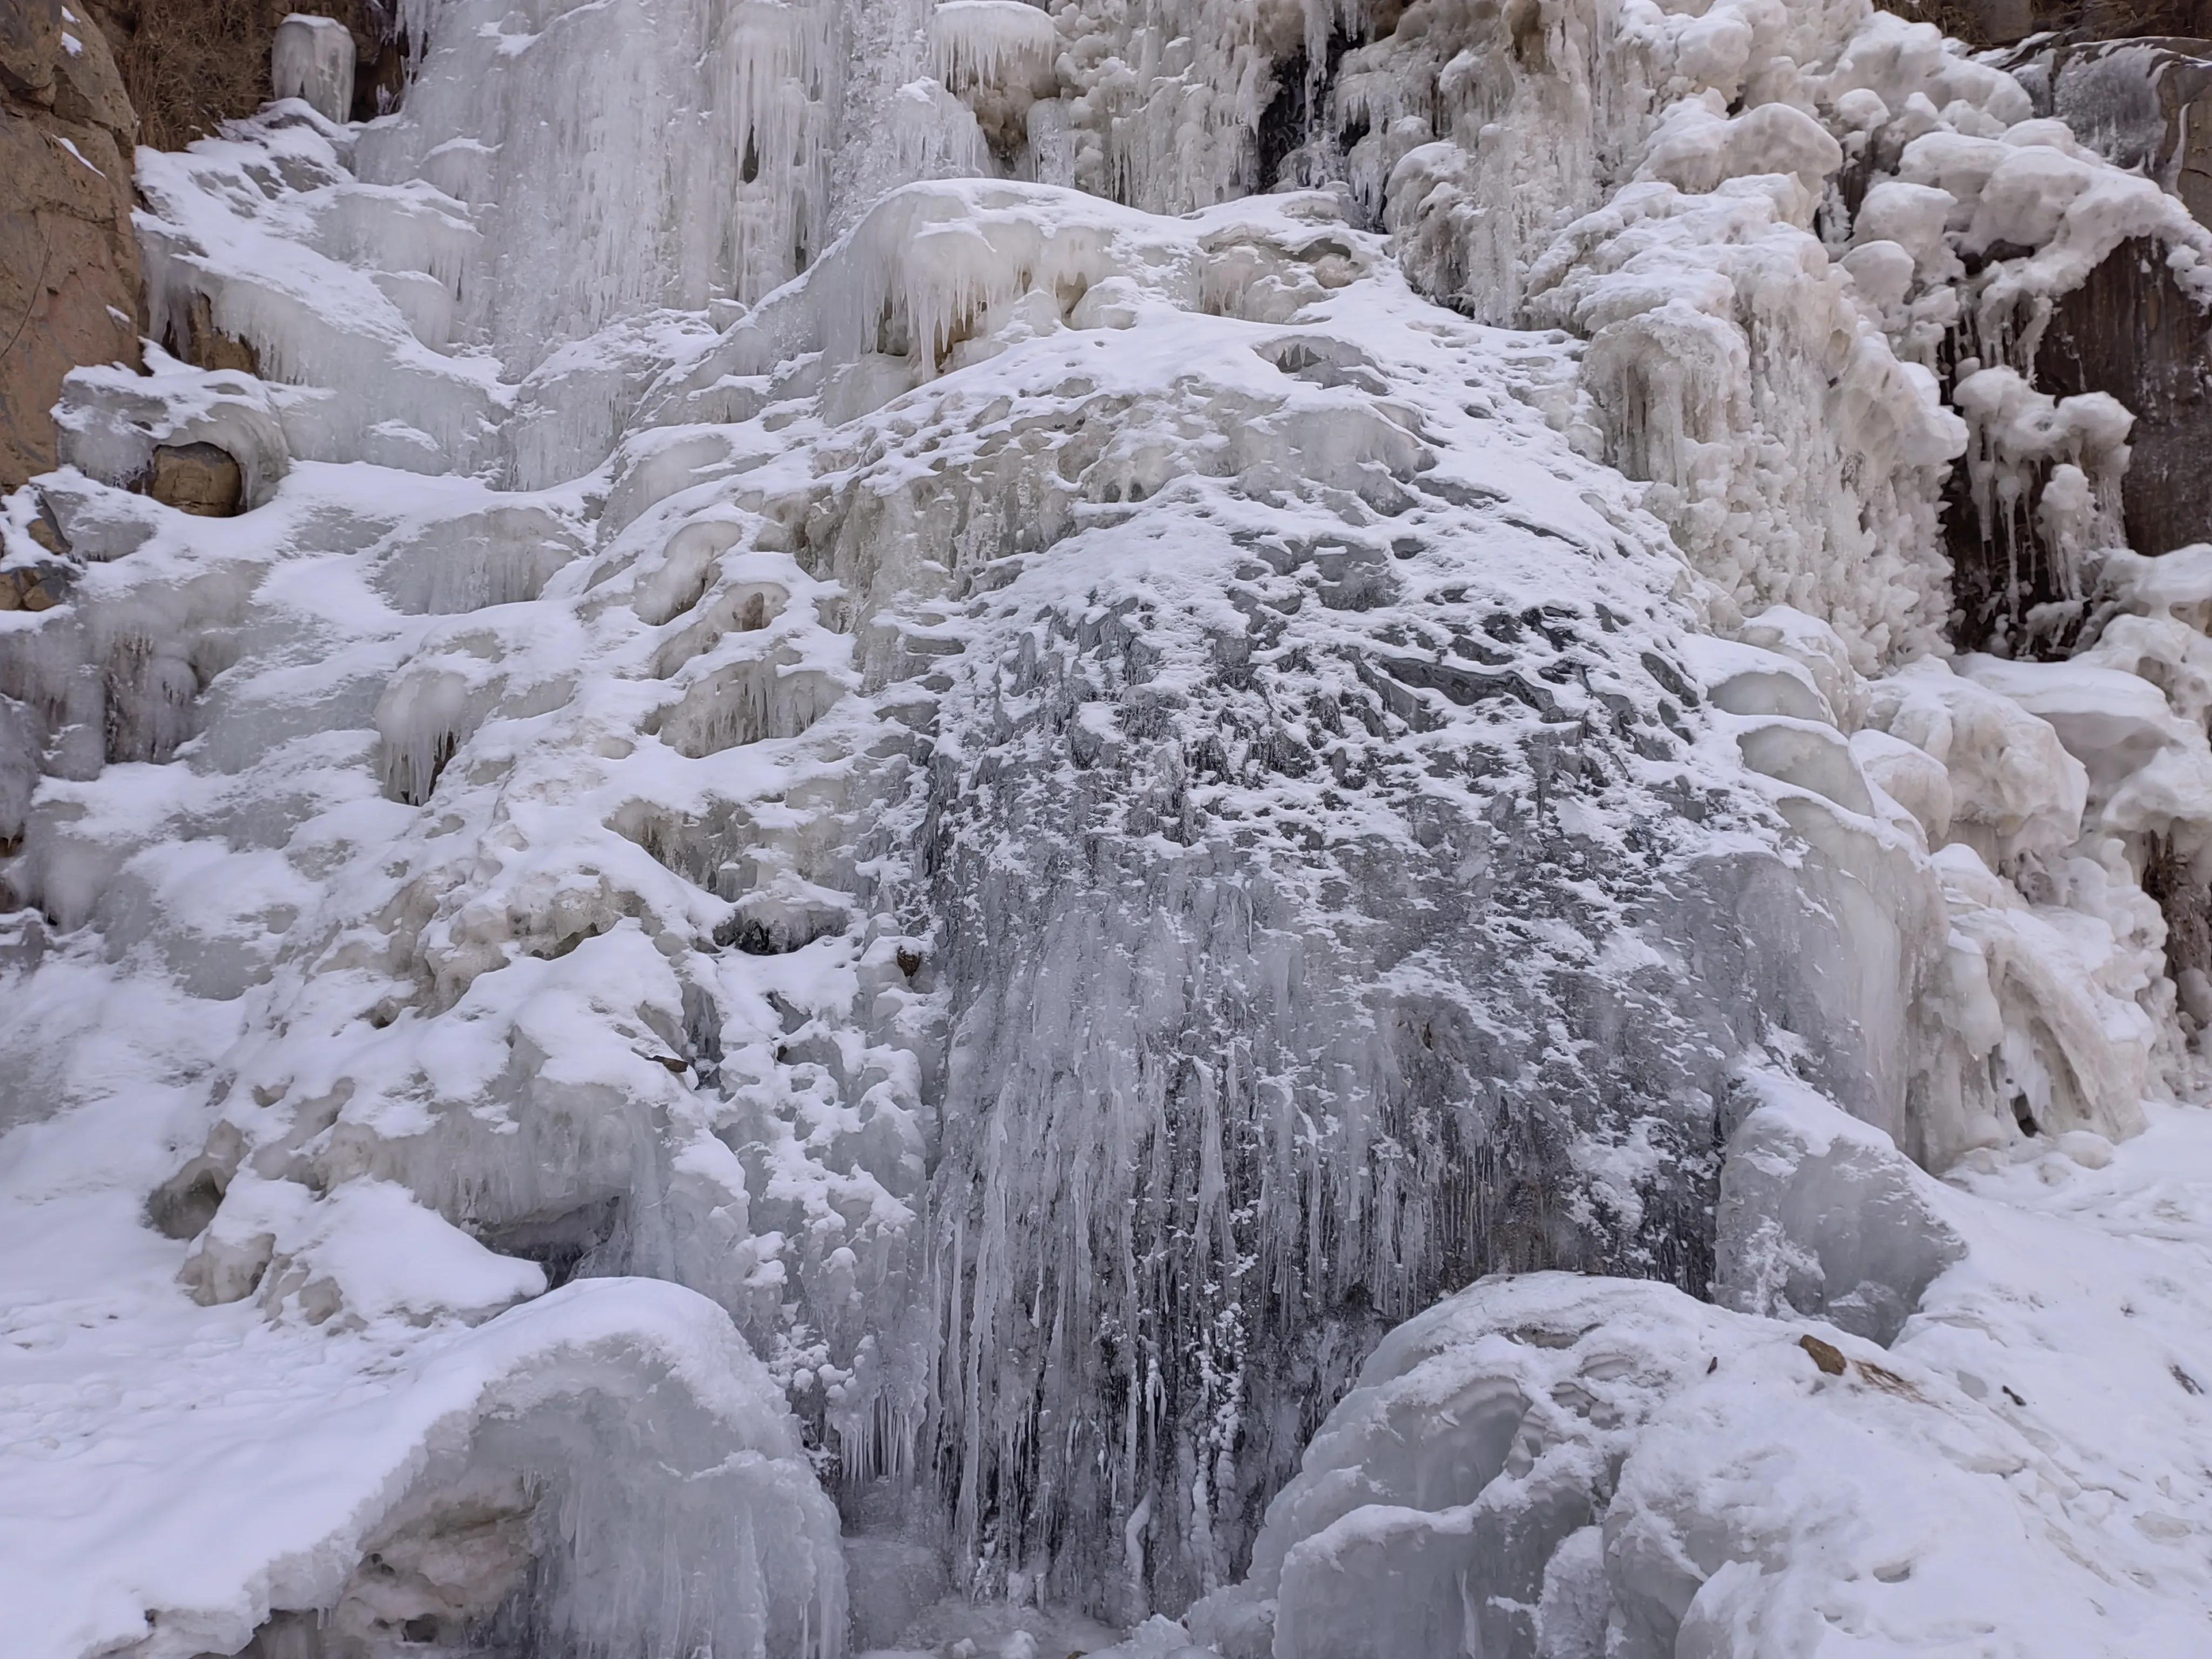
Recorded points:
993,43
2043,482
1910,156
655,153
1167,106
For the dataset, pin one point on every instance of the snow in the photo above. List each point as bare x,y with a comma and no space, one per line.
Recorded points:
923,832
75,153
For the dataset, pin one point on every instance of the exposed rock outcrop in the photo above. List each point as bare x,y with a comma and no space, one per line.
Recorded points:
2146,103
2131,330
70,290
198,478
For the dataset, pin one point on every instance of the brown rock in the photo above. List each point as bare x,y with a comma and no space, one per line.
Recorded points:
1826,1355
201,344
87,87
198,479
69,258
46,532
33,587
30,41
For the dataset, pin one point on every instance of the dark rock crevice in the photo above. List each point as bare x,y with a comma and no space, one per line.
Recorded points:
2131,330
2003,22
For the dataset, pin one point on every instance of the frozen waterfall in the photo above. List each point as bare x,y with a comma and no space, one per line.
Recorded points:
1174,827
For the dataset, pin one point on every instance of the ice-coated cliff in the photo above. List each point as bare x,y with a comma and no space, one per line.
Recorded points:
1200,827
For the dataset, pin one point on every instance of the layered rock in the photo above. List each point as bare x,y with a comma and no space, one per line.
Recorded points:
69,286
2131,330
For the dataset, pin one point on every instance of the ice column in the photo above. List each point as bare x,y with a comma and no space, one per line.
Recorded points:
314,59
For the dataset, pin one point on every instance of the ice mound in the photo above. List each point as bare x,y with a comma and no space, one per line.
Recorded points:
265,247
683,930
606,1467
1551,1465
995,43
1820,1218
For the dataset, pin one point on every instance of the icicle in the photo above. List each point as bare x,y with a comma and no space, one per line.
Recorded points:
311,58
993,43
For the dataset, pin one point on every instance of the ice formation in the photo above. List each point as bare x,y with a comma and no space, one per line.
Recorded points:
996,815
1555,1465
312,59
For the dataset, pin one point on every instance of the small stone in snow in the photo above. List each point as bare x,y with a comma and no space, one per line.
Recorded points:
1826,1355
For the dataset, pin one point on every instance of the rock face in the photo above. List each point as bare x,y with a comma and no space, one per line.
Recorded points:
2146,103
2128,332
70,290
2131,330
33,587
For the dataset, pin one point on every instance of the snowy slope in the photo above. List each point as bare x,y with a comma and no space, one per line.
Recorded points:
899,812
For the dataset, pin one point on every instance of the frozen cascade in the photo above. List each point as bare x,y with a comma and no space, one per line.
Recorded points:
1181,806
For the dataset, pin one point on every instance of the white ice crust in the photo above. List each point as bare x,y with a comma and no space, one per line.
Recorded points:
906,785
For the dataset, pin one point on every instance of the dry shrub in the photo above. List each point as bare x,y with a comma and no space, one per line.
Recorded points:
1961,19
2088,19
2108,20
189,65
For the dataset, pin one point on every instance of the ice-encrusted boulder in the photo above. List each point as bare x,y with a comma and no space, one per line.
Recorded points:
1544,1466
1821,1219
606,1470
